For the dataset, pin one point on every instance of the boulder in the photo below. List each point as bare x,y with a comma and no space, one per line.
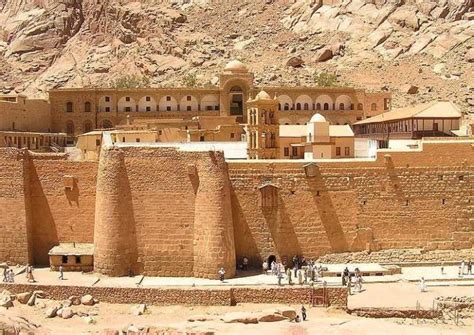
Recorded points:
470,55
59,312
67,313
31,301
75,300
200,318
295,61
270,317
51,312
139,310
23,297
6,301
89,320
287,312
409,89
87,300
240,317
439,68
323,55
39,294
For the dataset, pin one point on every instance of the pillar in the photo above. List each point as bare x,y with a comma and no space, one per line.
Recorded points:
213,228
114,230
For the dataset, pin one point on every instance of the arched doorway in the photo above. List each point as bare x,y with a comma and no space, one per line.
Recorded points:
236,101
270,260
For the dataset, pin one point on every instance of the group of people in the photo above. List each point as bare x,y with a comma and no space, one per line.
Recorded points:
349,279
465,268
8,275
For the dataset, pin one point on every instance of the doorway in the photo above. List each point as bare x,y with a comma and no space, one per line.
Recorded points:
236,101
270,260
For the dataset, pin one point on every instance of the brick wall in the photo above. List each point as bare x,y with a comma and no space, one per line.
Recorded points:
185,296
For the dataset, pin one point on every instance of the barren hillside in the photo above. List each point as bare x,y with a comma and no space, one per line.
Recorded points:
379,44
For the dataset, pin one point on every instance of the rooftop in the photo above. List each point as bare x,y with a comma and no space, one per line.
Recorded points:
302,131
74,249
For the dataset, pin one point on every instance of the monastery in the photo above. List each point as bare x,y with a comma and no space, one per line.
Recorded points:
152,187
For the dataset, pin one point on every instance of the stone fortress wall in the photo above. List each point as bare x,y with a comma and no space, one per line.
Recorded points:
163,212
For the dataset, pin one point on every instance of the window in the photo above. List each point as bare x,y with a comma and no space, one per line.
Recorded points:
188,98
107,109
148,108
127,99
107,99
461,178
148,99
306,107
128,109
188,108
406,202
64,259
326,106
347,151
13,125
298,106
70,128
360,107
123,139
373,107
137,140
440,177
294,151
286,151
338,151
69,107
216,108
318,106
443,201
341,106
201,139
160,132
168,108
87,107
168,98
269,196
287,107
97,143
232,135
209,108
78,259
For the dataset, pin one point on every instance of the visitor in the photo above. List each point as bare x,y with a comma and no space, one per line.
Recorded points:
343,276
462,267
300,277
442,268
469,267
274,267
288,275
297,319
11,276
348,279
295,262
280,277
358,282
460,271
221,273
61,272
422,284
5,271
29,274
303,312
245,263
295,270
305,273
265,267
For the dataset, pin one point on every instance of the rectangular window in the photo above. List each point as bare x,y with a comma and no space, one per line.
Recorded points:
294,151
338,151
216,107
232,135
138,140
148,108
127,99
97,142
160,132
64,259
201,138
347,151
188,108
188,98
286,151
78,259
209,108
123,139
168,108
168,98
148,99
461,178
128,109
107,109
440,177
107,99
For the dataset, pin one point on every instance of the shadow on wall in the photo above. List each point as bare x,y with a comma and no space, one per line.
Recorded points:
327,213
282,231
45,234
395,183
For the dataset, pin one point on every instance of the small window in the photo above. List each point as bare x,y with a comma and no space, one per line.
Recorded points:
168,108
127,99
317,193
286,151
97,142
406,202
148,98
188,108
440,177
148,108
443,201
364,202
347,151
87,107
216,107
373,107
160,132
123,139
64,259
188,98
107,109
209,108
461,178
78,259
168,98
232,135
338,151
128,109
137,140
201,139
107,99
69,107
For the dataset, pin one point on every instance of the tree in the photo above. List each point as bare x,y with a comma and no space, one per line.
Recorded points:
325,79
190,80
131,81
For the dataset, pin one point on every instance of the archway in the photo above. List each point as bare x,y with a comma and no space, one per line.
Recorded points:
270,260
236,101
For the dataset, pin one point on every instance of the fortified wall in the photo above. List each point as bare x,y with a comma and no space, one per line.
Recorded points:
160,211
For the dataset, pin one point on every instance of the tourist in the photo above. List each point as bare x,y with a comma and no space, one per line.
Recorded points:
442,268
297,319
288,275
306,275
303,312
245,263
469,267
460,271
422,284
348,278
61,272
462,267
221,273
5,270
295,262
265,267
343,277
358,282
274,267
300,277
280,277
11,276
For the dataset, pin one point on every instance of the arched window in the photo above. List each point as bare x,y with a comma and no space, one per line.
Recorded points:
87,126
326,106
341,106
306,106
106,124
287,107
373,107
318,106
298,106
69,107
360,107
87,107
279,107
70,128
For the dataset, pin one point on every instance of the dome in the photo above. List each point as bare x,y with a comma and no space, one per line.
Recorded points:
317,118
235,66
262,95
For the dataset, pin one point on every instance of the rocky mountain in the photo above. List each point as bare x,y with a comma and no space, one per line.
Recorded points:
419,49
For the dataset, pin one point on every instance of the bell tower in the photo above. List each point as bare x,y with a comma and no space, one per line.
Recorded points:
263,128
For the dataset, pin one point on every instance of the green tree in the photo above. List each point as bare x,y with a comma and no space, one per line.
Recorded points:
325,79
190,80
131,81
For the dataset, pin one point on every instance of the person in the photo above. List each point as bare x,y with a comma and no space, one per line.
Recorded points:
303,312
29,274
245,263
11,276
288,274
297,319
460,271
5,271
221,273
300,277
442,268
343,277
306,272
265,267
462,267
295,270
280,277
469,267
349,285
358,282
61,272
274,267
422,284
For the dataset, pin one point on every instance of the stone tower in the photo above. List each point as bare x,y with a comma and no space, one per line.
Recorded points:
114,230
262,127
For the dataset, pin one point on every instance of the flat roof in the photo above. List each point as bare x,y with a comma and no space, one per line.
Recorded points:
431,110
74,249
302,130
